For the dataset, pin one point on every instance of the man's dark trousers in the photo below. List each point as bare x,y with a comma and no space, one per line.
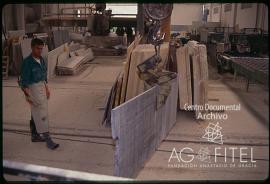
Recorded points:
33,127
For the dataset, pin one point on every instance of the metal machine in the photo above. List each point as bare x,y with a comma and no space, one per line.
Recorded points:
155,14
152,71
223,43
248,56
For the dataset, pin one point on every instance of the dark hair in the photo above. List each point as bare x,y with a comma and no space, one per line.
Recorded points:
36,41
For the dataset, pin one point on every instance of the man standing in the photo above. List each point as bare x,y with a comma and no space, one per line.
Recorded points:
34,85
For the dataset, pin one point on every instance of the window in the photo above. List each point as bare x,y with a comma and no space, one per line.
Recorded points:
227,7
246,5
78,13
216,10
123,9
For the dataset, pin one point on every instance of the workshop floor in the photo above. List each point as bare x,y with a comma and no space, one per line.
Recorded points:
246,128
76,110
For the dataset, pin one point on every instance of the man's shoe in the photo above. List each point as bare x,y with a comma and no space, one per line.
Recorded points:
37,138
35,135
50,144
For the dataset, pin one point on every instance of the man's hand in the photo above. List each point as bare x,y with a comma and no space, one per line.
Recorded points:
26,92
47,91
28,100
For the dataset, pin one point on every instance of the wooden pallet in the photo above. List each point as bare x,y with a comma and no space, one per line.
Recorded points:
5,64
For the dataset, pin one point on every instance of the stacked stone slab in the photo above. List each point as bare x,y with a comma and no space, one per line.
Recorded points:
192,69
67,65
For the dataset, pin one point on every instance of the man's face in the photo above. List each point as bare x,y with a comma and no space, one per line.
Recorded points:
37,50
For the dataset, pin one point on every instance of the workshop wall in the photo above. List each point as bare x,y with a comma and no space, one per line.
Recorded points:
184,14
233,14
227,14
243,13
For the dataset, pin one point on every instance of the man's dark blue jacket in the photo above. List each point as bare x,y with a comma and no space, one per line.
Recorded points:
32,71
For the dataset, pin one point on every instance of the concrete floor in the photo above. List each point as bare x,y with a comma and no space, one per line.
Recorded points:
75,113
246,128
76,110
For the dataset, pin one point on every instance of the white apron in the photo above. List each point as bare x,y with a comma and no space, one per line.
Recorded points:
39,108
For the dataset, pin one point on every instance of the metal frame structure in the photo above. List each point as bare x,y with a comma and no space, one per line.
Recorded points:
252,68
62,19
